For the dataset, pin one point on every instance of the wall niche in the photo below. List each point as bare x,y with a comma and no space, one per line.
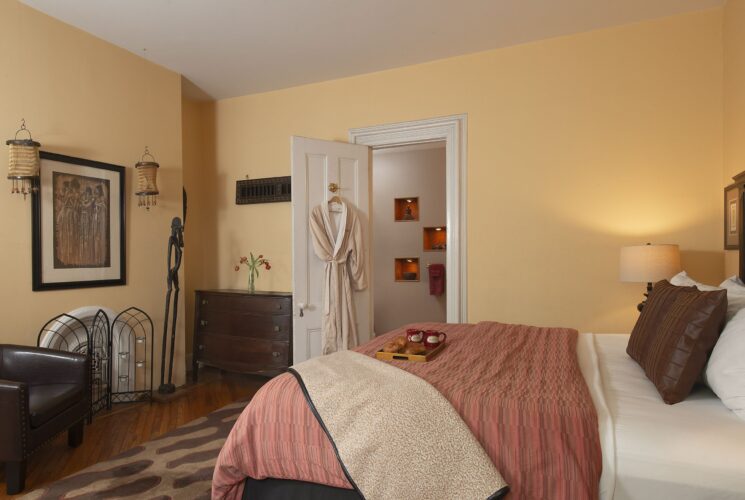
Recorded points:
406,209
434,239
407,269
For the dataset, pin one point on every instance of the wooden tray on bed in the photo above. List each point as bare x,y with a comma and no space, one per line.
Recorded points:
420,358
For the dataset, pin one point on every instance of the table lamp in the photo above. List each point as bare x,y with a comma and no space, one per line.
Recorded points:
648,264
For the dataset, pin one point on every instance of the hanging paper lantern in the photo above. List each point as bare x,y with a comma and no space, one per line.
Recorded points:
23,162
147,181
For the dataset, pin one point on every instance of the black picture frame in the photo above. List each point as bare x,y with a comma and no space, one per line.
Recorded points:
731,212
40,234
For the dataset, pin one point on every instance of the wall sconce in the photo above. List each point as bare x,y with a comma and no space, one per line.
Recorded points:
147,181
23,164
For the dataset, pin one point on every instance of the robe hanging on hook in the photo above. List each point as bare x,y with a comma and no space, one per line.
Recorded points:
23,163
147,180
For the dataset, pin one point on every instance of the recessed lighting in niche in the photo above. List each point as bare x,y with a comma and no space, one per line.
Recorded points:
406,209
407,269
434,239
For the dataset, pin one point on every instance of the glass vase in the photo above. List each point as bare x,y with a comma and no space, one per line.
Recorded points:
251,282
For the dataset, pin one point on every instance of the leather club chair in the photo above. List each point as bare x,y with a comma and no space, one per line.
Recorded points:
42,392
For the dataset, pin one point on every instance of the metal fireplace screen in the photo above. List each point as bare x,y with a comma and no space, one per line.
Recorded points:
121,353
132,341
267,190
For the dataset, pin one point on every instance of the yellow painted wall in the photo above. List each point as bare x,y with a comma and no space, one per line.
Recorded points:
734,101
576,146
83,97
198,158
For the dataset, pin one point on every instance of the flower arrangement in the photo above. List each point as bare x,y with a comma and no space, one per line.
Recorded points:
253,264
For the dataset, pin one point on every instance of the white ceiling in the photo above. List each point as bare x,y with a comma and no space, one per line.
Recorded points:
229,48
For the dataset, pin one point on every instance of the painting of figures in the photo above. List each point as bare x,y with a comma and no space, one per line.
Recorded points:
78,224
81,221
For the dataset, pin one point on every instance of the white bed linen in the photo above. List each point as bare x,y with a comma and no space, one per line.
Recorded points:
691,450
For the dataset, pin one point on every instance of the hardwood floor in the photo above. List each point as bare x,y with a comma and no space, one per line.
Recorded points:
128,425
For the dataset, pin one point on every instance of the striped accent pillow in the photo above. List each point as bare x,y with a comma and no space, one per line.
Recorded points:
674,336
659,301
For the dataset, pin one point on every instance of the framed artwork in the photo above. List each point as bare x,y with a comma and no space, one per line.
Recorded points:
731,217
78,230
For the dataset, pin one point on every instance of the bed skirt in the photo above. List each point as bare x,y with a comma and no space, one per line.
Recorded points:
286,489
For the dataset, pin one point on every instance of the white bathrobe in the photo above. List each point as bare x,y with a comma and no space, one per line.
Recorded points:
342,251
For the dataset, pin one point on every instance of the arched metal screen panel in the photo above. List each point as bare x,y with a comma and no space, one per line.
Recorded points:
64,333
100,352
121,352
132,341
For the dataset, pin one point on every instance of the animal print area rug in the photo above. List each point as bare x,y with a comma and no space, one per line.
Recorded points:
177,465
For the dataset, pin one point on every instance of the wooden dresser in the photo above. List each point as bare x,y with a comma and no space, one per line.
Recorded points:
243,332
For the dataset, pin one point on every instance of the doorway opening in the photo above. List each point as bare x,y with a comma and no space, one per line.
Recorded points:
452,130
409,228
323,170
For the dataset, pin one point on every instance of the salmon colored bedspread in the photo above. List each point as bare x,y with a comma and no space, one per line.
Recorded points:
518,388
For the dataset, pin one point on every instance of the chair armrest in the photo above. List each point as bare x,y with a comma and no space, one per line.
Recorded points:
38,365
14,418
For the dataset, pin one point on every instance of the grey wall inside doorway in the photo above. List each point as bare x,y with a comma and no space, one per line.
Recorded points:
397,173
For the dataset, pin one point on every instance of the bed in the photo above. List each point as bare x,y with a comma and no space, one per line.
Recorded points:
518,388
650,450
691,450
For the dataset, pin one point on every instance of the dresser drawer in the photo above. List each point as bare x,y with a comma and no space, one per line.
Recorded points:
269,327
244,303
241,354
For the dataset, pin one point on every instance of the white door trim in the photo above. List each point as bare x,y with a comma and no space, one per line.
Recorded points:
452,130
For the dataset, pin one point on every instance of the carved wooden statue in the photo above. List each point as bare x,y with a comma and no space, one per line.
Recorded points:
175,253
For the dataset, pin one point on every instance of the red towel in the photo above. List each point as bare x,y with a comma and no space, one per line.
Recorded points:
436,279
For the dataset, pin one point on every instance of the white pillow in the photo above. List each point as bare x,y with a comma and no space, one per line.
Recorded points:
735,296
733,280
735,291
682,279
725,373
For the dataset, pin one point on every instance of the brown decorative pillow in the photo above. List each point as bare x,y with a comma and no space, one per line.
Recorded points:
674,335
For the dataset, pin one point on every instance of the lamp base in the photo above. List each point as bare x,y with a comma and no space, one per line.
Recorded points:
641,305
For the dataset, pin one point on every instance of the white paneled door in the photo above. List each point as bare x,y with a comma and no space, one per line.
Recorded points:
316,164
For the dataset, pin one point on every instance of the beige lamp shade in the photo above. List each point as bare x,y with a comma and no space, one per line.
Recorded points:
649,263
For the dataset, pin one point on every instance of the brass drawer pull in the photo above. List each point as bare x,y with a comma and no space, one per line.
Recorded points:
203,322
275,354
201,347
205,302
279,306
276,328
